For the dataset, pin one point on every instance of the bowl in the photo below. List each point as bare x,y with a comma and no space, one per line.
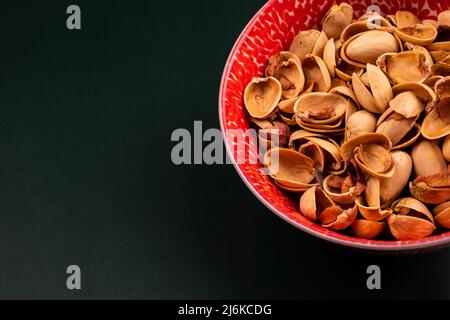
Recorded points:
268,32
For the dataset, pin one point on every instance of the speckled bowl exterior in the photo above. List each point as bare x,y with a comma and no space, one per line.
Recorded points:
271,30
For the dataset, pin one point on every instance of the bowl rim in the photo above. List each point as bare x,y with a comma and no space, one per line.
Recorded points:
369,245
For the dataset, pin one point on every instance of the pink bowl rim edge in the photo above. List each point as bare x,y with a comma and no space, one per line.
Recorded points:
346,243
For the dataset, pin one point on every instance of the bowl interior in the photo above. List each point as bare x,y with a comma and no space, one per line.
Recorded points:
271,30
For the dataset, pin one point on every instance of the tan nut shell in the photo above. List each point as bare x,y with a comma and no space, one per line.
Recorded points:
313,202
368,229
336,19
417,34
407,66
428,159
289,168
406,227
442,215
433,189
366,47
377,99
287,69
405,18
391,188
261,97
308,42
359,123
320,107
316,73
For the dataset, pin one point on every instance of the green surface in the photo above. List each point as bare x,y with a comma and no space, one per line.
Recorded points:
86,177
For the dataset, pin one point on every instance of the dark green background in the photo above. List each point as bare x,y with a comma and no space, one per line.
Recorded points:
86,176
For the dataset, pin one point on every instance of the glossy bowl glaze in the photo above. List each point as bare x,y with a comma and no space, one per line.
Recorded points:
271,30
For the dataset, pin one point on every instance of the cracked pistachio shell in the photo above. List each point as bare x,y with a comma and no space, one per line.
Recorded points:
442,215
367,229
337,219
308,42
288,167
421,49
405,225
421,90
391,188
417,34
428,159
329,57
337,19
316,73
446,148
433,189
320,107
375,100
371,153
443,21
287,69
407,66
406,18
366,47
359,123
313,202
261,97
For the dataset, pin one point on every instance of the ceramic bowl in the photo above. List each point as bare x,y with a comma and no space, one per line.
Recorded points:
269,31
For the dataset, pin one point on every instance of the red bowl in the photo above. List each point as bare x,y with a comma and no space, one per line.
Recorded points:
271,30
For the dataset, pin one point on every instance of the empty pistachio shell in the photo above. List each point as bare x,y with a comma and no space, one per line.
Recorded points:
444,20
371,153
442,215
375,100
405,66
437,123
406,18
433,189
336,19
446,148
287,69
360,123
313,202
391,188
366,47
320,107
308,42
329,57
368,229
428,159
412,220
336,218
417,34
261,97
289,167
316,73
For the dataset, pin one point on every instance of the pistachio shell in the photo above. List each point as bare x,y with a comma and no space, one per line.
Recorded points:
360,123
336,19
446,148
391,188
377,99
304,43
261,97
433,189
442,215
345,71
366,47
405,66
329,57
320,107
406,18
428,159
437,123
336,218
287,106
289,167
444,20
421,90
313,202
371,213
421,49
409,205
417,34
287,69
368,229
409,228
316,73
